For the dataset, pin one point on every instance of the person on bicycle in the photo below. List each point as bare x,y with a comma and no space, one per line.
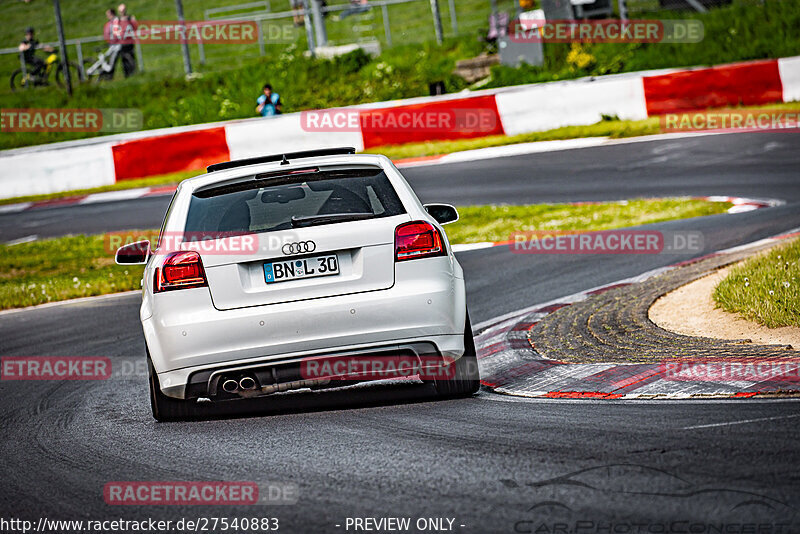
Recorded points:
27,48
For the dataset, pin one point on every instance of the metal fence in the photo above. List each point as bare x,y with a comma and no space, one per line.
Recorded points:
366,25
386,22
321,27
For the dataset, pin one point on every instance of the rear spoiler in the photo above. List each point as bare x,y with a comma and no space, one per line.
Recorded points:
283,158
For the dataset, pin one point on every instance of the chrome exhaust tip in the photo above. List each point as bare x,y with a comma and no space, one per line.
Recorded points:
246,384
230,386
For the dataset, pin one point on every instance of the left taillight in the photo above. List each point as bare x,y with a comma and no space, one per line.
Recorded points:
179,270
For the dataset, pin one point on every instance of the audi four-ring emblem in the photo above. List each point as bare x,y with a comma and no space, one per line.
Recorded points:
300,247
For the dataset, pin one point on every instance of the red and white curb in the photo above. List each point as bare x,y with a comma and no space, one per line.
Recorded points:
510,366
740,205
86,164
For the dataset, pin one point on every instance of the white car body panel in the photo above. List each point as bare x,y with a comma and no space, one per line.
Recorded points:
240,320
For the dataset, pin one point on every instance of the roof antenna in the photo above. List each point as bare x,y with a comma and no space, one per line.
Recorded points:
284,161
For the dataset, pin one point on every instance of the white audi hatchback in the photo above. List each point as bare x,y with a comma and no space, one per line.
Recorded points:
311,269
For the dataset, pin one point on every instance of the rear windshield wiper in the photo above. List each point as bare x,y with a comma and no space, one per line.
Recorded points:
300,222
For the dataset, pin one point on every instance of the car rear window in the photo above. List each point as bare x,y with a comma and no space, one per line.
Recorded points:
301,197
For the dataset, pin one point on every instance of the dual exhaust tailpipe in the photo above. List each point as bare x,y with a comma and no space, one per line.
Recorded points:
244,384
247,384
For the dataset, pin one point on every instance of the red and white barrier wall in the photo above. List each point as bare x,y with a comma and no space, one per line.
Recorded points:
520,109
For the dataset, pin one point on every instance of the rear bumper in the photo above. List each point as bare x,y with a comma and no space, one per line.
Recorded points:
185,333
291,371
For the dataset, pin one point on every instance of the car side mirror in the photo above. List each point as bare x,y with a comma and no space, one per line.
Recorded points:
133,253
443,213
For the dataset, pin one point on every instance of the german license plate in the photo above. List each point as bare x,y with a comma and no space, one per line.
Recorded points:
285,270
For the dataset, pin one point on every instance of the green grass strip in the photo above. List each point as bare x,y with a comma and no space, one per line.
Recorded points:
766,288
80,266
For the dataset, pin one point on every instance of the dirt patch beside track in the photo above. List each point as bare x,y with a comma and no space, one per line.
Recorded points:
689,310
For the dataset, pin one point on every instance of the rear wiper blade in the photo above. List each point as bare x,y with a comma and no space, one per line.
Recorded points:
299,222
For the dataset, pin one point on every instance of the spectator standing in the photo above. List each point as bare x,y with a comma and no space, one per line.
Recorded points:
127,24
297,12
269,103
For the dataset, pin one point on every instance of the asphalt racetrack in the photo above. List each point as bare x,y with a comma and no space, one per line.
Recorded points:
491,463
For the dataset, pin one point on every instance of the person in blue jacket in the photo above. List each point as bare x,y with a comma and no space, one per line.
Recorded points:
269,103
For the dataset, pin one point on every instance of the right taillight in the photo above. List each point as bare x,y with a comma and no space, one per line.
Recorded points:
417,239
179,270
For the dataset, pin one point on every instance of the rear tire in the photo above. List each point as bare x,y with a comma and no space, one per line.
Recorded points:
166,408
17,80
465,378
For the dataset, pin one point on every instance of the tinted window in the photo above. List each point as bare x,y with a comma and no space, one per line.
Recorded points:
268,202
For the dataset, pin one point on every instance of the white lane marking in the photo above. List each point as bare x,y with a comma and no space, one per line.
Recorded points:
107,196
742,208
503,151
742,422
463,247
21,240
13,208
520,149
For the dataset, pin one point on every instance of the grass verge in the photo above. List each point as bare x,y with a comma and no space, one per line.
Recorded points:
766,288
82,266
495,223
60,269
